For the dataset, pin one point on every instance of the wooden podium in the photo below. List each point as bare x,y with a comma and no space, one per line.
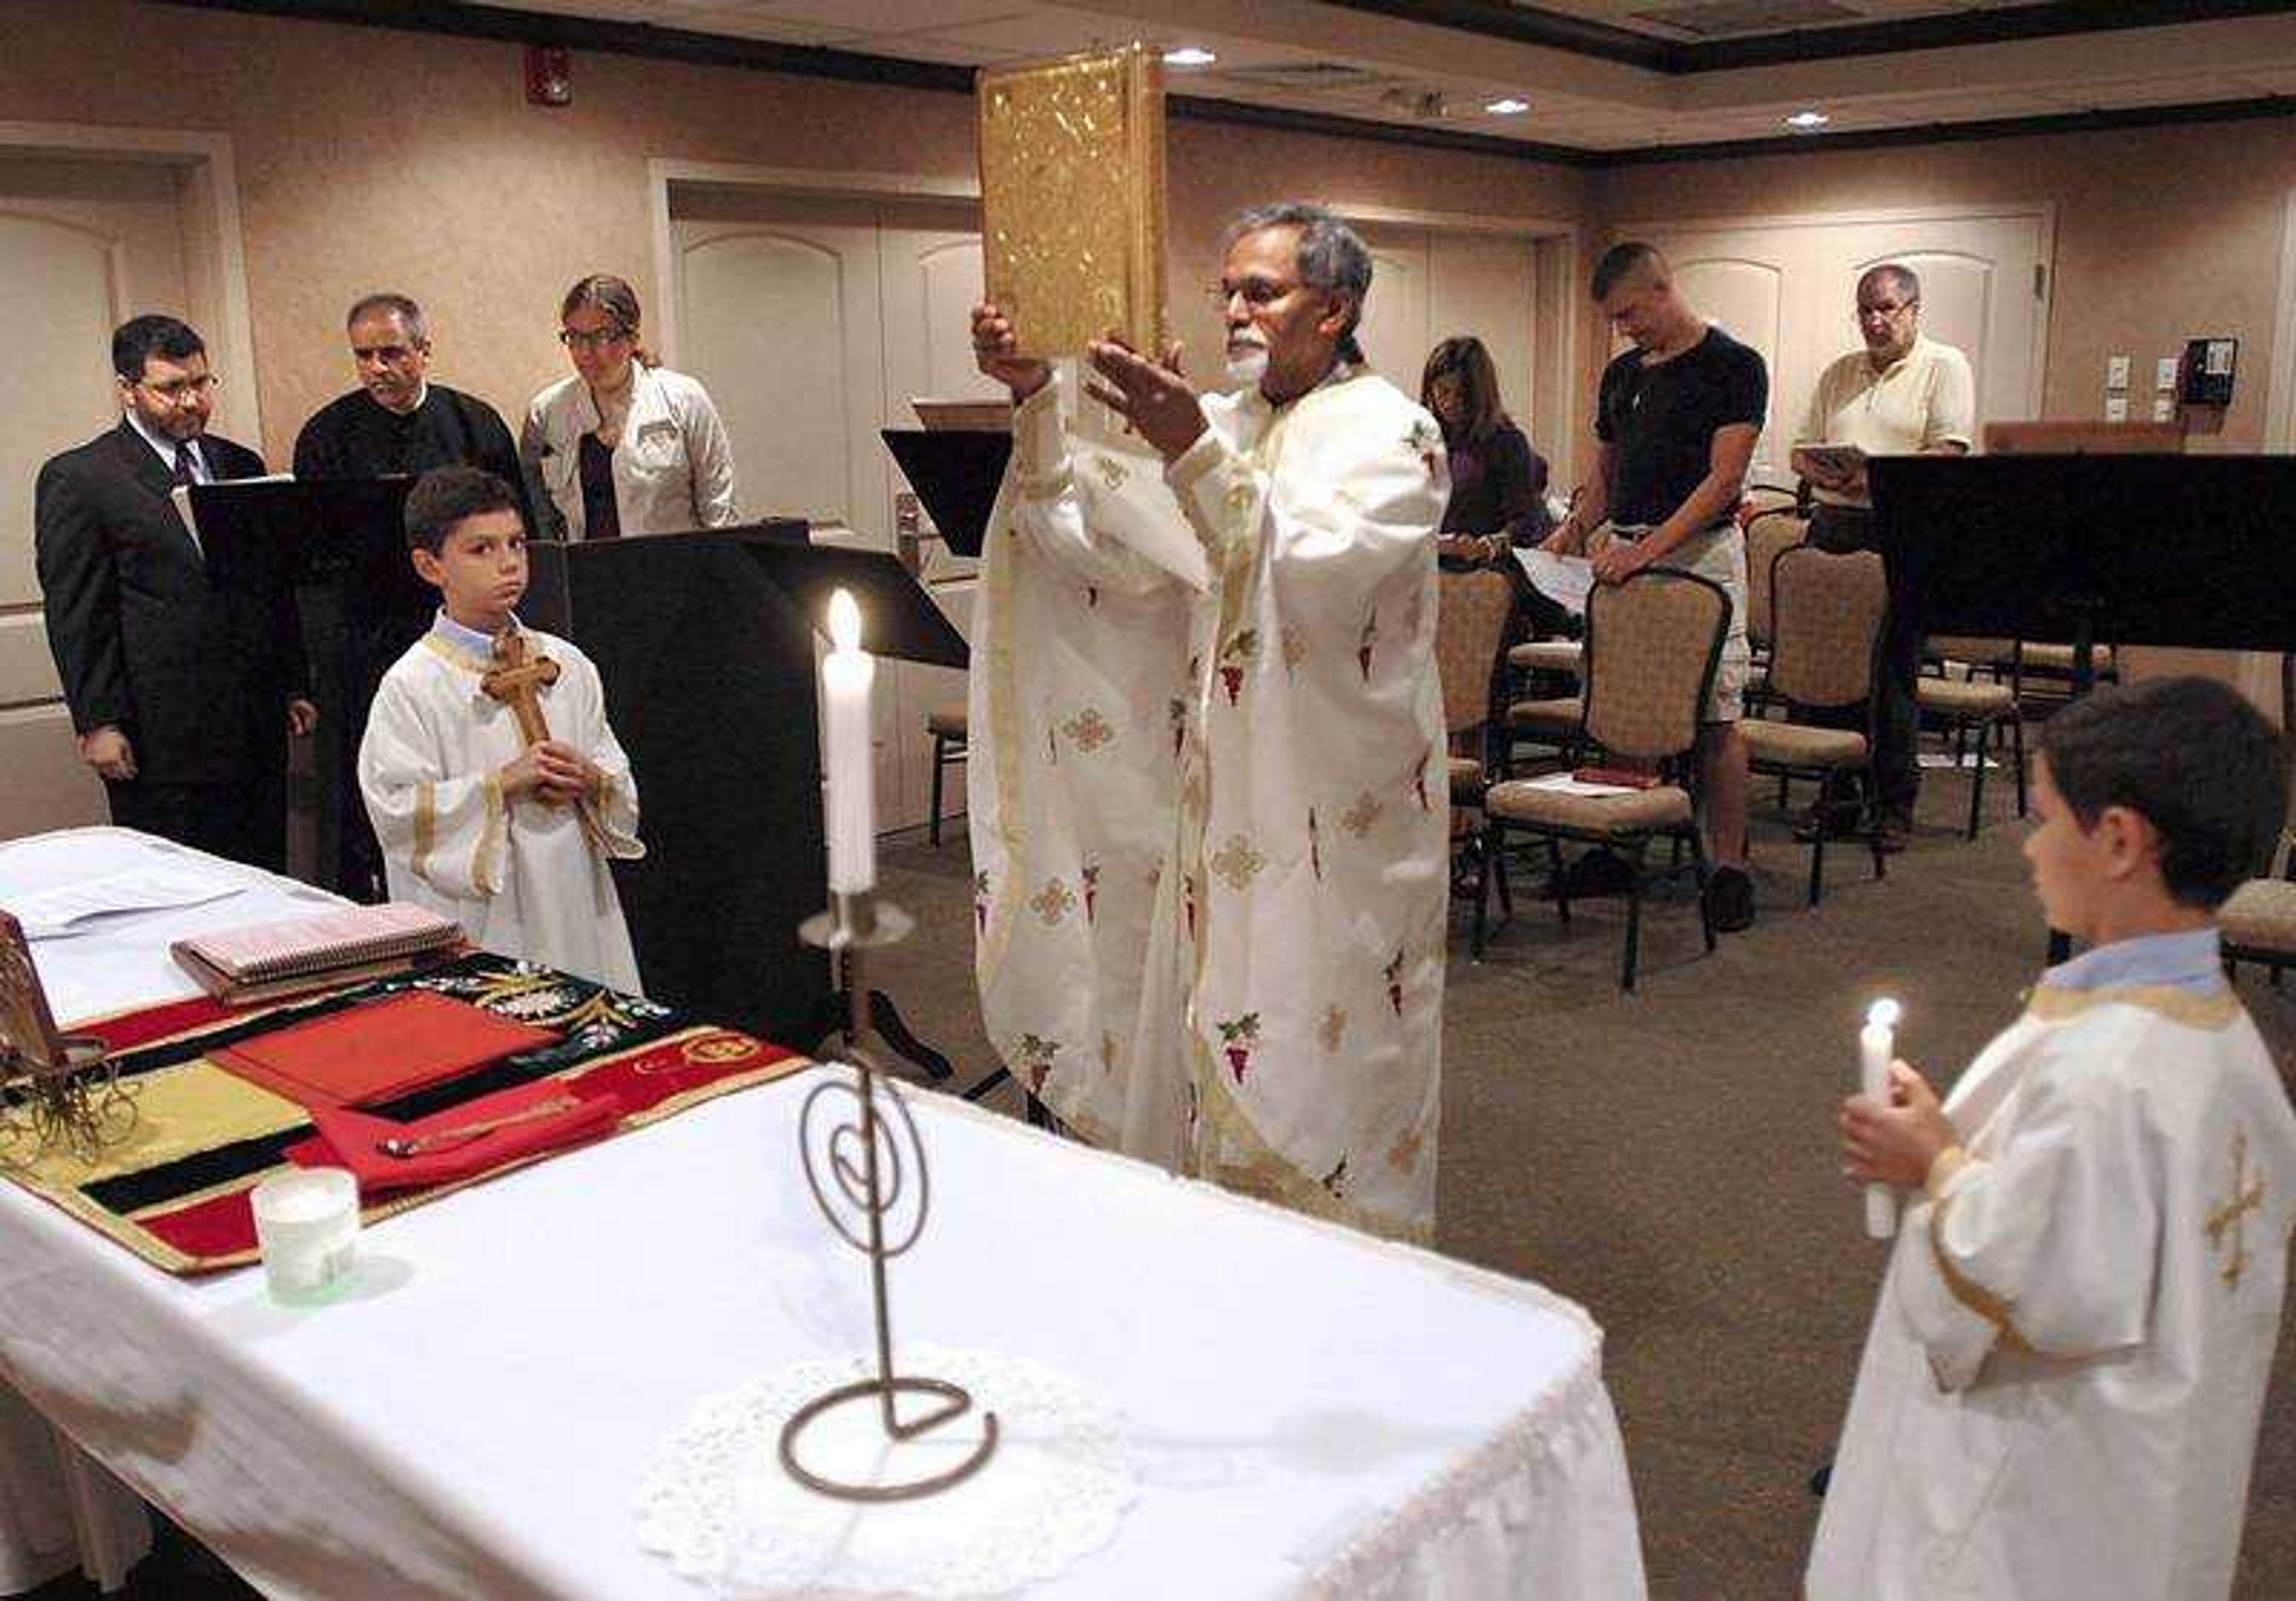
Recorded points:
705,644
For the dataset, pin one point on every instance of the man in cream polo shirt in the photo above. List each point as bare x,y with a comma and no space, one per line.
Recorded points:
1902,395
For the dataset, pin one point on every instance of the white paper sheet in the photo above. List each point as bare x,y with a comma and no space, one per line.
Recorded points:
1566,580
75,908
1563,784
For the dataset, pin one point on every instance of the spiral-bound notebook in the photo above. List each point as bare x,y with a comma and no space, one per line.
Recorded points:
267,959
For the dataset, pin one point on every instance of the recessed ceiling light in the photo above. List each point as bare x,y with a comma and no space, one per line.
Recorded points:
1805,121
1189,55
1508,107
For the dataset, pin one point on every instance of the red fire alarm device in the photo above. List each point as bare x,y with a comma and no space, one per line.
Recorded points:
549,76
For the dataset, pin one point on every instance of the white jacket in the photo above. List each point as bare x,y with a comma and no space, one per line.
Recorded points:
673,470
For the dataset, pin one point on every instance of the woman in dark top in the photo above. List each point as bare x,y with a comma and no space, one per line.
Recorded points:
1499,482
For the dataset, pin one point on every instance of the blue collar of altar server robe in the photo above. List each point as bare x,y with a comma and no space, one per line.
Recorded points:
470,640
2190,961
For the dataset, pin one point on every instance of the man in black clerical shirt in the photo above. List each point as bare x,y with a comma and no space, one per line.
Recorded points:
1677,419
397,424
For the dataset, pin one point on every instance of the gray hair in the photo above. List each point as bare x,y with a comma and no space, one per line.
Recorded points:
1902,278
1333,256
399,306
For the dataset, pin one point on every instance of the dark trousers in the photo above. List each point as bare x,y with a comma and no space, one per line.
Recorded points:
246,820
1891,719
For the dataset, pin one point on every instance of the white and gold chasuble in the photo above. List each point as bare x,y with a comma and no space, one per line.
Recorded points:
2061,1390
1209,803
524,879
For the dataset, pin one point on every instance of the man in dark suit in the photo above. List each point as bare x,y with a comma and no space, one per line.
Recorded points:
183,693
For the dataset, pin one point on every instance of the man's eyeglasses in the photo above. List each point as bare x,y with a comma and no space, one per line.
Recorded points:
1256,291
579,339
175,392
1887,307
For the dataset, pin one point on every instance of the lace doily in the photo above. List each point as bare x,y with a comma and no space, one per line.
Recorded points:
715,1503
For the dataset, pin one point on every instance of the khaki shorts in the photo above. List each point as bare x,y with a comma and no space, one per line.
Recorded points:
1719,554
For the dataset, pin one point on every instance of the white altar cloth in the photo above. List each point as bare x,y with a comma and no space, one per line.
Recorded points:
1313,1412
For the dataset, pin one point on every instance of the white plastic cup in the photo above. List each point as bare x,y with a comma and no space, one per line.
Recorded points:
307,1223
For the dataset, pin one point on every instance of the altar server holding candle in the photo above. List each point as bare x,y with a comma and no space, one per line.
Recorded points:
2062,1385
496,784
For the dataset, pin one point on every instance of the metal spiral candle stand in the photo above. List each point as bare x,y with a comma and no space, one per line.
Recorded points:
872,1163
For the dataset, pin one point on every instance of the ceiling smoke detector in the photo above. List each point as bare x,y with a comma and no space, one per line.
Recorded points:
1511,105
1807,121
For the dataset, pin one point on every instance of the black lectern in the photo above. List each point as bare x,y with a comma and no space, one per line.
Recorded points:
2170,550
956,472
705,644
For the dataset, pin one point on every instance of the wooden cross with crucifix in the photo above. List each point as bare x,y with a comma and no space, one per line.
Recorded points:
517,680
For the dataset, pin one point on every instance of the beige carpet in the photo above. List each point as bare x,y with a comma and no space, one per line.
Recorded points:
1667,1158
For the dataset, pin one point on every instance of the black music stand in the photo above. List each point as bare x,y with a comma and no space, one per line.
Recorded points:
956,472
2192,551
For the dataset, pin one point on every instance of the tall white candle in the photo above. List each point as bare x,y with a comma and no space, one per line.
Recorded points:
847,675
1877,1047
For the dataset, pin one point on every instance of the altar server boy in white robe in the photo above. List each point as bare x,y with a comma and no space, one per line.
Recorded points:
508,836
2061,1386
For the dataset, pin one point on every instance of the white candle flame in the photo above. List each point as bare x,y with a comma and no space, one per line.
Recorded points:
1883,1014
844,622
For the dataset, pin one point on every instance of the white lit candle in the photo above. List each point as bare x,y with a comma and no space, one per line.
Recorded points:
1877,1047
847,675
307,1222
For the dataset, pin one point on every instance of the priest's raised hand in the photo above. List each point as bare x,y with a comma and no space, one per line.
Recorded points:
1159,404
995,348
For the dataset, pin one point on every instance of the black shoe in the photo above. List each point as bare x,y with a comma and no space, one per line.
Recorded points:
1730,900
1838,818
1599,872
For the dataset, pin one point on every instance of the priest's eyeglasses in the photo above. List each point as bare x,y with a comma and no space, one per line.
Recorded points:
1256,291
176,390
589,338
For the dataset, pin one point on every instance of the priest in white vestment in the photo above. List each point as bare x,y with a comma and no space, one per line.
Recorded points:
510,838
2062,1387
1208,792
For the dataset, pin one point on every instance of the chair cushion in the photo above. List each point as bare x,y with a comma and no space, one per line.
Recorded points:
1546,717
1957,697
1797,745
1548,655
2260,916
1638,812
948,721
1466,781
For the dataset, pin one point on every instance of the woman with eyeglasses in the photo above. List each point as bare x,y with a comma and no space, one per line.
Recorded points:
623,446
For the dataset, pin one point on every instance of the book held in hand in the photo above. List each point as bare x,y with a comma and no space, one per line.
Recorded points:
1072,199
265,960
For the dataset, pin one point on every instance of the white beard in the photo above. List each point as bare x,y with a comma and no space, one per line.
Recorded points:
1246,366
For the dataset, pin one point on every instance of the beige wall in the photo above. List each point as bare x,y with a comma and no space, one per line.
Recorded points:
2163,234
369,158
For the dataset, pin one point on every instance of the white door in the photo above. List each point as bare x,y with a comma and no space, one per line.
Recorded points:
1428,285
814,323
83,245
1789,289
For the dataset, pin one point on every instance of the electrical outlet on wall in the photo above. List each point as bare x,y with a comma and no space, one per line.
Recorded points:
2116,373
2164,375
2116,408
2164,409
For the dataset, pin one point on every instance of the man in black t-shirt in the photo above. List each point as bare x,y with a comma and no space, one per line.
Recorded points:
1677,418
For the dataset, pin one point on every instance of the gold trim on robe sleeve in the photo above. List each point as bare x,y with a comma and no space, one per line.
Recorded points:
489,848
426,827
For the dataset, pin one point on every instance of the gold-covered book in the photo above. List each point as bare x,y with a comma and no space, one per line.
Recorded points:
1072,198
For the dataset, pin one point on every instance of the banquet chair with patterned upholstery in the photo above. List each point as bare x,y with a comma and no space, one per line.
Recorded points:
1473,608
1767,535
2258,921
1826,613
1653,643
1966,706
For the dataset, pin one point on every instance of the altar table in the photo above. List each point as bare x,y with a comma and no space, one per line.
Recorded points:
1313,1413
